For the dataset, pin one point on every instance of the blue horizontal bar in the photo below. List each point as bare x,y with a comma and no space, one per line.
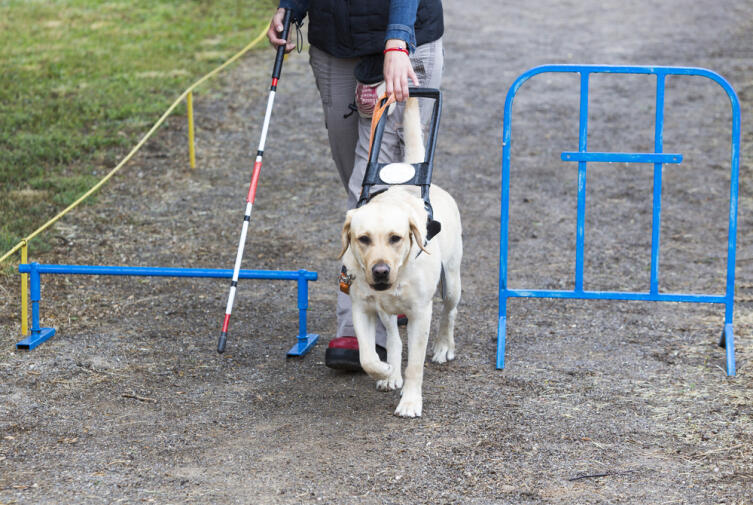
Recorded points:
623,157
624,69
216,273
613,295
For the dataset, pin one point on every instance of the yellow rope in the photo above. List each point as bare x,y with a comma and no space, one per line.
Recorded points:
138,146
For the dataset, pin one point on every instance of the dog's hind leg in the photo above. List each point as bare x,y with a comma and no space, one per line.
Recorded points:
444,347
394,354
411,402
365,325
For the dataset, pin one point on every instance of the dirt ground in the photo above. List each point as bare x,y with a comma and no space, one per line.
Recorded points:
600,402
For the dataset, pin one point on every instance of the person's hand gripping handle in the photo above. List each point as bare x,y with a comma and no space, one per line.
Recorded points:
279,29
281,26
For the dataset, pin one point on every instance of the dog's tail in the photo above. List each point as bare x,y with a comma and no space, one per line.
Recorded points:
413,136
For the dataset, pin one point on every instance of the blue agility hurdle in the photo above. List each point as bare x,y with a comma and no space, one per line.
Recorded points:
658,158
35,270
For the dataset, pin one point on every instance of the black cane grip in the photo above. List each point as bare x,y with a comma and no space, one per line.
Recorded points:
281,49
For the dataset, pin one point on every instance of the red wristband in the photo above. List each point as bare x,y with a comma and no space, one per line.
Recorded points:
401,49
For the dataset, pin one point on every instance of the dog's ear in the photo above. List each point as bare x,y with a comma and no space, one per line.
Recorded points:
416,234
345,235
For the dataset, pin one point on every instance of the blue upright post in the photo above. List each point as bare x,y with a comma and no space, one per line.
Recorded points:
728,337
504,225
656,218
38,335
305,340
582,175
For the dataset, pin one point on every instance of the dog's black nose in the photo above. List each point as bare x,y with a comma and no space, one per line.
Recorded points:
380,272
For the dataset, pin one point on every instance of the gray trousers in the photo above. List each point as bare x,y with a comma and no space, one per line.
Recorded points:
349,136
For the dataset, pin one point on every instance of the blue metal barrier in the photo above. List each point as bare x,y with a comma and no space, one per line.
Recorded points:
658,158
38,335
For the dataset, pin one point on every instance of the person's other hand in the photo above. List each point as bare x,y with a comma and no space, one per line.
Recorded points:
275,31
397,70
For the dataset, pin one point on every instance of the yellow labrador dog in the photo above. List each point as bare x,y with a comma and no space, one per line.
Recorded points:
396,273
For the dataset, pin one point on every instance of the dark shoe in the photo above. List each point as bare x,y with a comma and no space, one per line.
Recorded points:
402,320
342,354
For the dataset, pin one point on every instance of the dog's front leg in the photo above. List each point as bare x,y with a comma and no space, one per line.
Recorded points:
394,354
364,322
418,336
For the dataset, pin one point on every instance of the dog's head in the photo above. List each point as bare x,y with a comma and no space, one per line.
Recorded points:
380,236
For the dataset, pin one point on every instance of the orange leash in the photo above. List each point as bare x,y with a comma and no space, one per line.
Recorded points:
378,112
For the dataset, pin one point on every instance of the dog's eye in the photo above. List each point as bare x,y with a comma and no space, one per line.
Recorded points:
364,239
394,239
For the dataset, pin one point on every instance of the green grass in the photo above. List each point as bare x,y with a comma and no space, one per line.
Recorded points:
82,80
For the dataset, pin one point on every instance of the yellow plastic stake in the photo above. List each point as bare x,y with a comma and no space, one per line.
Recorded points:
191,149
24,292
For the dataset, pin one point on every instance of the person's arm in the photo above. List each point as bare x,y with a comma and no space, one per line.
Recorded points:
402,18
400,34
299,8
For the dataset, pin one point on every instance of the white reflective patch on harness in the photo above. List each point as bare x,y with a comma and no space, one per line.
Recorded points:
397,173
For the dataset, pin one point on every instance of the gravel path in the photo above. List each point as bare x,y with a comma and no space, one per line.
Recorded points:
601,402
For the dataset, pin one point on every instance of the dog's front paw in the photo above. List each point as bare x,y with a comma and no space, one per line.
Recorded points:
443,353
409,406
390,383
377,369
